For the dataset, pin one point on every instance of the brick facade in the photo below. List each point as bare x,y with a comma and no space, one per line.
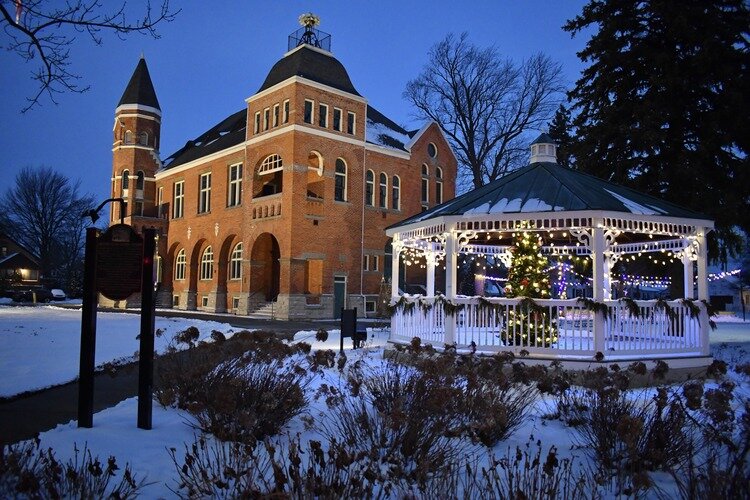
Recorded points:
303,250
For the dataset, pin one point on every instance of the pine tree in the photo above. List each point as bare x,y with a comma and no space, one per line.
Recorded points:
662,105
528,277
559,130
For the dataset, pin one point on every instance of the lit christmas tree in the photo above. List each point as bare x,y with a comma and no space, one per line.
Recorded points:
528,277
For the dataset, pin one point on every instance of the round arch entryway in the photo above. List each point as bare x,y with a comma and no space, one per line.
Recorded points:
265,270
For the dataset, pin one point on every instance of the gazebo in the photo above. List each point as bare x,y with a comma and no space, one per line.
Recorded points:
574,216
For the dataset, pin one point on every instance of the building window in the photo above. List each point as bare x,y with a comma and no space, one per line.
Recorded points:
340,186
365,262
275,115
438,185
270,164
374,263
234,197
257,122
125,182
179,199
370,189
143,138
351,123
396,193
207,264
160,202
383,193
204,193
323,115
432,150
128,137
266,118
139,181
285,113
309,111
180,264
337,119
138,208
271,173
425,184
235,263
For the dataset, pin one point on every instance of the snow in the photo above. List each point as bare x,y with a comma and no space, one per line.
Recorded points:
41,345
375,132
634,207
115,432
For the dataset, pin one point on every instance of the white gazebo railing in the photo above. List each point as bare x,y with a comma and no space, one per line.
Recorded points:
658,329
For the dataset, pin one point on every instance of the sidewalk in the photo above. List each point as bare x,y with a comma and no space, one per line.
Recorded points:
24,416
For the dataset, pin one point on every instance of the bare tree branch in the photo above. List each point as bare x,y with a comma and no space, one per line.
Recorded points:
484,103
43,31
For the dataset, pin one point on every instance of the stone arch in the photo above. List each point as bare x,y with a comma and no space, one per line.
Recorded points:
223,261
169,263
315,180
268,175
265,266
194,263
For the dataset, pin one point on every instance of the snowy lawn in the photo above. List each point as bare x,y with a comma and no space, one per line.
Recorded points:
147,452
40,346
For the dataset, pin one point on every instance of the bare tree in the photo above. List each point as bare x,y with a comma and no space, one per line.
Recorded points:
40,29
43,211
484,103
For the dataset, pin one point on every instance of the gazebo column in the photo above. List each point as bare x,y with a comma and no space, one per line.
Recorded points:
703,288
430,259
451,263
607,277
599,269
687,273
396,256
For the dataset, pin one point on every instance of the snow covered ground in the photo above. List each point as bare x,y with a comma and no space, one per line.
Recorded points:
115,432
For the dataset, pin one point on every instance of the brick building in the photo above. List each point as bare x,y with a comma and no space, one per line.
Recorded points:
282,206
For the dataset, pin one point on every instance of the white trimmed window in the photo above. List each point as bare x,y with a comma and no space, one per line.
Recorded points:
374,263
128,137
143,138
180,263
340,180
207,264
234,197
370,189
235,262
179,199
160,202
309,110
266,118
271,164
396,193
285,112
337,119
204,193
432,150
351,123
257,122
140,180
438,185
425,184
323,115
159,271
383,193
275,115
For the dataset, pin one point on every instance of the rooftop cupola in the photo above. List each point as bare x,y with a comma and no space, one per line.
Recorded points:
308,34
543,150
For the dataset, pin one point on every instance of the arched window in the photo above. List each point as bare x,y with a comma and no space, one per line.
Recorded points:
143,138
270,164
383,193
438,185
128,137
271,173
396,193
139,181
425,184
207,264
370,189
432,150
315,180
125,181
340,180
235,262
180,263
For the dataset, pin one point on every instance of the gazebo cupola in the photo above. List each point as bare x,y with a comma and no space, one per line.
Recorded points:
543,149
576,218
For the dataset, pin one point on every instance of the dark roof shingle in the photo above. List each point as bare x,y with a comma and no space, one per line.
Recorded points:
140,89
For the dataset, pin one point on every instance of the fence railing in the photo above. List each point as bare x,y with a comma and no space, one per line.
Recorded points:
564,328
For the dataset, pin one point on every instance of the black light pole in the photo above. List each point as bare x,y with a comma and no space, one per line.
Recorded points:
94,212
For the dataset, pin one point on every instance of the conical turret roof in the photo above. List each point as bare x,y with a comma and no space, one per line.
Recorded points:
140,89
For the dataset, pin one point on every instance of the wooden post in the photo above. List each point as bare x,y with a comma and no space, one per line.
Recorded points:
88,334
598,272
451,262
146,350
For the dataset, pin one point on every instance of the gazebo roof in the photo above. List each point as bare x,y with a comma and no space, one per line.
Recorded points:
549,187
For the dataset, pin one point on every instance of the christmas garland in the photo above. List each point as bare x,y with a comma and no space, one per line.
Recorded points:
662,304
594,306
633,308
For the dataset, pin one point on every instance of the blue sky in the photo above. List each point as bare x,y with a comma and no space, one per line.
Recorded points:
216,54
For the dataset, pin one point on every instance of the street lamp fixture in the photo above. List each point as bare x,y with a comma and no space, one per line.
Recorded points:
94,212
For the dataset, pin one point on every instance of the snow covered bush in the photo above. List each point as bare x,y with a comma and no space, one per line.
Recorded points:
28,472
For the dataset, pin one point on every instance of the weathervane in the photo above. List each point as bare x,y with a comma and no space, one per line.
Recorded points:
310,36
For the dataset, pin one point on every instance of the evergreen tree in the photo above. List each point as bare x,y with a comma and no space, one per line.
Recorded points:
559,130
528,277
662,106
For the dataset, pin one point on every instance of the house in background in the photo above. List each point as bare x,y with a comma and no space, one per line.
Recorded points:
281,208
17,264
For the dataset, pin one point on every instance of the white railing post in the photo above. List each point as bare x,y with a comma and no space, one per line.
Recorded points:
430,259
598,271
451,262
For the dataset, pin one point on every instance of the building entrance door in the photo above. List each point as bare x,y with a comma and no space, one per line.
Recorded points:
339,295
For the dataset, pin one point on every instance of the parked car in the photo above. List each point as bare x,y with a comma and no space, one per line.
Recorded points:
58,294
28,295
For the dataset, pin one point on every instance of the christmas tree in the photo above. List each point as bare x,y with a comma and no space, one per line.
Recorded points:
530,325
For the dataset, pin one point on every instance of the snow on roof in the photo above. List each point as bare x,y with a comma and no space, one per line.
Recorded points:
634,207
385,132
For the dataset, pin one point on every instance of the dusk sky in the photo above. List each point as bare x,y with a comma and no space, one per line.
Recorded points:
217,54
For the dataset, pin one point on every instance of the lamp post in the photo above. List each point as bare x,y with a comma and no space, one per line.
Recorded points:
94,212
